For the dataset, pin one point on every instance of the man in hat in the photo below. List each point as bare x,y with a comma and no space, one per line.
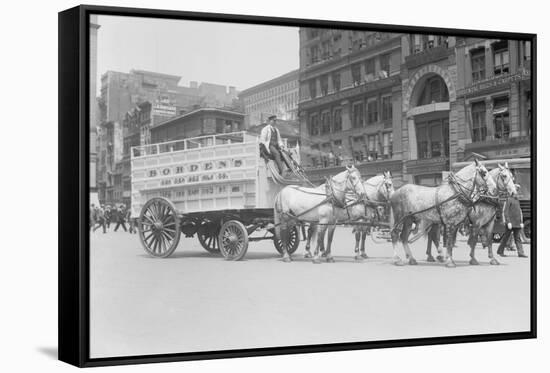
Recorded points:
513,220
271,142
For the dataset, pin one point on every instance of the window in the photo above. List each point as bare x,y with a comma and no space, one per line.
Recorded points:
372,110
422,142
336,81
478,64
314,125
325,122
479,123
435,90
369,67
501,118
356,74
387,108
314,52
312,88
324,85
385,63
501,57
373,146
433,139
337,120
387,144
357,118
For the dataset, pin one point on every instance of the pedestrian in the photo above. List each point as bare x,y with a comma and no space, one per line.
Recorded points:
513,221
108,216
130,220
93,217
119,219
100,219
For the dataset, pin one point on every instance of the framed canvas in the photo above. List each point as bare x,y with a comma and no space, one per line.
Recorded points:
236,186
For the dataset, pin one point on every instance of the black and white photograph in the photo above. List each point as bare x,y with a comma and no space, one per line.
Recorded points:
260,186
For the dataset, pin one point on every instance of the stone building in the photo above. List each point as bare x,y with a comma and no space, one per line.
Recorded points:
430,118
278,96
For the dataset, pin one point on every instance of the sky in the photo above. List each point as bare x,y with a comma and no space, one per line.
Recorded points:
222,53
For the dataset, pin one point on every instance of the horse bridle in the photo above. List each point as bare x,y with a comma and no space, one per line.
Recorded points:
455,179
501,178
353,186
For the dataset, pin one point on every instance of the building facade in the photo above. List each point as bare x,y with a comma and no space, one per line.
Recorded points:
350,101
412,104
278,96
199,122
494,102
430,120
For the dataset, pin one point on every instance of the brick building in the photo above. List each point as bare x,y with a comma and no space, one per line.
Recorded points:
350,100
414,104
278,96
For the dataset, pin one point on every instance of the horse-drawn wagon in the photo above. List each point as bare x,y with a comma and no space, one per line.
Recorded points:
214,187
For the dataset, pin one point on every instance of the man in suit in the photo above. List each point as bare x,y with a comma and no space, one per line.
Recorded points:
271,143
513,220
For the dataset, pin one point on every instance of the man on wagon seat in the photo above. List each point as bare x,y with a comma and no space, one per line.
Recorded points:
271,143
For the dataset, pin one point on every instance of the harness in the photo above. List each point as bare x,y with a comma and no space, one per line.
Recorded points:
465,195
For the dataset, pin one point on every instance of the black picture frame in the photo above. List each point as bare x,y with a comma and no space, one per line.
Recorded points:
74,186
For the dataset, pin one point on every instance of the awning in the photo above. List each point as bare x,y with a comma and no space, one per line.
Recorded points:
500,110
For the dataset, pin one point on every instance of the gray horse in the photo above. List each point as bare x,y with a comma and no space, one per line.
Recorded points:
482,216
447,203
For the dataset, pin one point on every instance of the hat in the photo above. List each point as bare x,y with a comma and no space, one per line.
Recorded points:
272,117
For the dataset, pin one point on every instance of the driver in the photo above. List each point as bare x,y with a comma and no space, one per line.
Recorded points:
271,143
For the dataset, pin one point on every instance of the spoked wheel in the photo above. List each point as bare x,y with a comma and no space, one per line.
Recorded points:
294,241
208,238
159,227
233,240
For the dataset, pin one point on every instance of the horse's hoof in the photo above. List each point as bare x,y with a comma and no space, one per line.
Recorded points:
330,259
287,259
399,263
358,258
364,256
474,262
450,264
324,255
307,255
440,258
494,262
430,259
412,261
396,259
316,261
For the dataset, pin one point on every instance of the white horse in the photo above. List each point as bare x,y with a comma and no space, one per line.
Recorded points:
314,205
364,210
448,204
379,189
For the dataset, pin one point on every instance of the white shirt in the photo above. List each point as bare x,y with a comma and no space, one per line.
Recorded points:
265,136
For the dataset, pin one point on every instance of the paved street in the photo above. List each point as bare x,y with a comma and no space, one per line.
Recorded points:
195,301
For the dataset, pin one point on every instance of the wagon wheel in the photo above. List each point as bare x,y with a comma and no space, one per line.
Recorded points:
233,240
209,240
159,227
294,241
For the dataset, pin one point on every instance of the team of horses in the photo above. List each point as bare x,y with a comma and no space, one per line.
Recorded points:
470,194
